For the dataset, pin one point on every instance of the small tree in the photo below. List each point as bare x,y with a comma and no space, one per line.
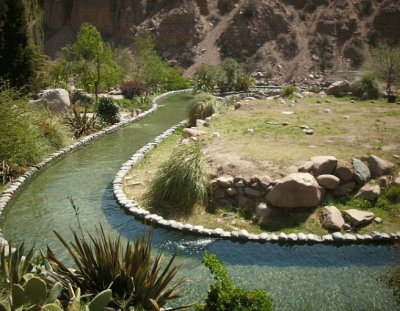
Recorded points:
88,62
386,64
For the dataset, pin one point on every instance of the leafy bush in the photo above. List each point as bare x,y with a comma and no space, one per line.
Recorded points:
133,88
182,180
203,106
27,133
224,296
134,276
205,78
288,90
228,76
107,110
389,199
366,87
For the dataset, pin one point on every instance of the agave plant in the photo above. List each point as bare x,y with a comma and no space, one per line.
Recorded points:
134,276
16,264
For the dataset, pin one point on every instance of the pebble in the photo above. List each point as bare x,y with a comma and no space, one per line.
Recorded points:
216,134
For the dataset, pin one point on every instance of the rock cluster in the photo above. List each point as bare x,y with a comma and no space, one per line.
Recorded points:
320,177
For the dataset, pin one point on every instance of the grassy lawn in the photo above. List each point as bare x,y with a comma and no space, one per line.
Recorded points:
347,130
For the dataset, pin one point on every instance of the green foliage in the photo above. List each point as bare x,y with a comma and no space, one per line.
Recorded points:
224,296
79,121
203,106
88,62
152,69
228,76
133,88
78,97
389,199
107,110
182,180
366,87
386,64
15,266
133,274
18,50
288,90
27,133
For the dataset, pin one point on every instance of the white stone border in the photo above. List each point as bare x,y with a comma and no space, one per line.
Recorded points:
7,194
132,207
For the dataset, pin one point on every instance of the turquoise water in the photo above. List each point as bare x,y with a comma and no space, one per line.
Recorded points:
302,277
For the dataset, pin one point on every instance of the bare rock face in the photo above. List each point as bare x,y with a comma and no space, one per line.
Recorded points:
295,190
369,192
323,165
378,166
331,218
241,35
358,218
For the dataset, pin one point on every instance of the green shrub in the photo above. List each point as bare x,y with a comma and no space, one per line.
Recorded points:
288,90
224,296
133,88
81,98
203,106
182,180
389,199
107,110
53,131
366,87
22,143
136,278
205,78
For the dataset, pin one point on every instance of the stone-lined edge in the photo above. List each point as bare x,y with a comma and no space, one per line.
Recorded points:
7,195
301,238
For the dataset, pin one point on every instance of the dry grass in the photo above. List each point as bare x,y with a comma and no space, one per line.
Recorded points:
372,128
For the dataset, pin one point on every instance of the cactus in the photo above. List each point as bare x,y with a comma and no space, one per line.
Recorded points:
101,300
4,307
51,307
36,290
54,293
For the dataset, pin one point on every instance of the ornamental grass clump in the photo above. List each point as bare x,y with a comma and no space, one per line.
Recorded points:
203,106
182,180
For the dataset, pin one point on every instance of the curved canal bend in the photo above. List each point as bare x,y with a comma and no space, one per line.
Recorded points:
301,277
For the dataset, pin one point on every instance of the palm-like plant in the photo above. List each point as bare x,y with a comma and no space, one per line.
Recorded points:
135,278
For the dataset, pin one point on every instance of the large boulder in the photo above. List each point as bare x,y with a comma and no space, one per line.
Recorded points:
331,218
378,166
338,88
345,189
295,190
56,100
361,172
323,165
358,218
369,192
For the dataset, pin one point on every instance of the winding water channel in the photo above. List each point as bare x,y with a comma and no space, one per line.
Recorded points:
301,277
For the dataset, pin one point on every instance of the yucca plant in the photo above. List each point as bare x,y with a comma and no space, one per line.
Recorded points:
16,264
134,276
181,180
203,106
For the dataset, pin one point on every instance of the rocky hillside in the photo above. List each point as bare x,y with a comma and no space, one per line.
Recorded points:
287,38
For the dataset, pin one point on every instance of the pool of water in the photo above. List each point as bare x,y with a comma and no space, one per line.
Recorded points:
302,277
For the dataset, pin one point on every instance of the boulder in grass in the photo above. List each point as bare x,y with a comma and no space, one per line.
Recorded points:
56,100
295,190
344,171
338,88
192,132
362,173
323,165
369,192
327,181
358,218
379,167
331,218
